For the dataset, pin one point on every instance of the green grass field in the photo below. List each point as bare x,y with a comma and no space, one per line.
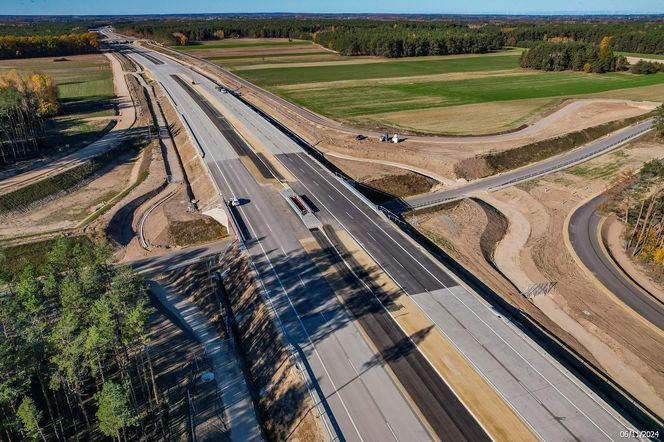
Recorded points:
85,82
378,98
85,86
269,57
420,93
283,76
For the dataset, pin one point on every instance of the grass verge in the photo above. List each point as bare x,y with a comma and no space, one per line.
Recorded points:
196,231
22,198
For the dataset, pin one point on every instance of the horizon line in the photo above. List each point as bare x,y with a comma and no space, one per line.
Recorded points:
480,14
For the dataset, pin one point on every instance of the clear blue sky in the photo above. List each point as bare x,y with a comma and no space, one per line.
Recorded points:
75,7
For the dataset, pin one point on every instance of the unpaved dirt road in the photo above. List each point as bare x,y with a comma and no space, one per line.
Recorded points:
109,141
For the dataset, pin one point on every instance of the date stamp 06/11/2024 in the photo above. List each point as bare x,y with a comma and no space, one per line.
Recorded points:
639,434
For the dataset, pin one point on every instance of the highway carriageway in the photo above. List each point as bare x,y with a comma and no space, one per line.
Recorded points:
437,402
359,400
546,395
549,398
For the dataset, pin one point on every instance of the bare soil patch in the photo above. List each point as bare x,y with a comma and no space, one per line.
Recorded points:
440,155
387,181
629,351
68,210
469,233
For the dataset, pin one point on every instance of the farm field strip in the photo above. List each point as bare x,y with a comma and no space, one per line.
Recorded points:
362,100
636,54
251,59
279,76
76,80
437,94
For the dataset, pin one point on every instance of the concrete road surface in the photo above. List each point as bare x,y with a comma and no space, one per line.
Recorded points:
359,403
550,399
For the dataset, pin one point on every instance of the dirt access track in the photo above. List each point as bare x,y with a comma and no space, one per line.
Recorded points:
434,154
126,119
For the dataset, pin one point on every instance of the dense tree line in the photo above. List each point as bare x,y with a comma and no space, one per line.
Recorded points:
364,36
659,121
12,46
646,38
638,201
73,349
352,37
406,43
26,100
62,26
197,30
575,56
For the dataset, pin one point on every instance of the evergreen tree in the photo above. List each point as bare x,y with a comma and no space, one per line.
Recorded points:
114,413
29,415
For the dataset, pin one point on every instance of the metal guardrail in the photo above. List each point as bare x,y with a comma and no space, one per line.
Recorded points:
350,185
233,222
538,173
193,136
573,161
141,235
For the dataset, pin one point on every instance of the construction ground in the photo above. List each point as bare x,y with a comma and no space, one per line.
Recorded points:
511,240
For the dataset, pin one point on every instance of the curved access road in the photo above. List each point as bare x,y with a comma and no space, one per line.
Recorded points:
585,239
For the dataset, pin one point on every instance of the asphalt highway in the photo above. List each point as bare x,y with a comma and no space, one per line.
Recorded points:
444,412
584,237
360,401
525,173
551,400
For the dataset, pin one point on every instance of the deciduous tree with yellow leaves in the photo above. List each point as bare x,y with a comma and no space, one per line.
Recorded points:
25,101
